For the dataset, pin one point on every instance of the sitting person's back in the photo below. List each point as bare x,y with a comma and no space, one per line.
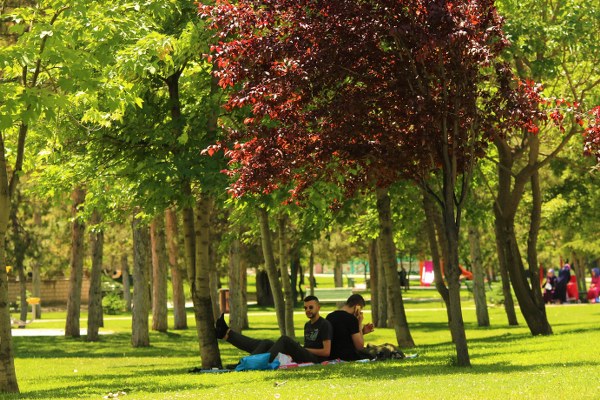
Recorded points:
347,341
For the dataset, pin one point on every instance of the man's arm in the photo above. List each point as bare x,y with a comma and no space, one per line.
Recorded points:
358,340
324,352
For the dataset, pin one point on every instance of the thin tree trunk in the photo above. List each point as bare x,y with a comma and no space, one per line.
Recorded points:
311,269
483,318
126,282
140,334
338,276
237,306
36,277
285,277
388,258
213,279
159,275
177,274
274,282
382,300
76,276
95,320
373,282
535,220
433,225
209,348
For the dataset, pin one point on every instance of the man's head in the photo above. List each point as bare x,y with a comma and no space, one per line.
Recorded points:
355,300
312,307
355,304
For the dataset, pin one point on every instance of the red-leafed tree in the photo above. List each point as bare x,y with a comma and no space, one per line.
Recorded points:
363,94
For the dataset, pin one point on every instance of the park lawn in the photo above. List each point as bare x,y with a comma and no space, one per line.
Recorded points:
507,362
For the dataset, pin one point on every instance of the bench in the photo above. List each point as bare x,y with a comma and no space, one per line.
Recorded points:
331,295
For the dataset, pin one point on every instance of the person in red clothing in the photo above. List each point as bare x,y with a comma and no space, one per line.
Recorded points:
593,293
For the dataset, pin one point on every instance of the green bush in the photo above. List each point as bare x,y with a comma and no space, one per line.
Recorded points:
112,304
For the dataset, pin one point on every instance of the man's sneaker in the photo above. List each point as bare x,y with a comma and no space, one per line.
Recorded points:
221,327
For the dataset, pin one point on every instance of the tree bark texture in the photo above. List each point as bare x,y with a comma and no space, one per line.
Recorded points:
237,279
159,275
142,264
95,319
311,269
382,300
126,282
435,236
285,276
388,258
213,279
8,376
373,282
177,273
274,281
338,274
76,275
209,349
481,310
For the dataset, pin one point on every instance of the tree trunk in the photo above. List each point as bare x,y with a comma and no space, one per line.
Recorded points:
264,295
505,208
36,276
177,274
535,220
159,275
338,274
8,376
274,282
382,300
76,277
483,318
295,272
311,269
373,282
140,334
23,305
213,279
433,225
452,272
285,277
126,282
388,258
95,320
209,348
237,306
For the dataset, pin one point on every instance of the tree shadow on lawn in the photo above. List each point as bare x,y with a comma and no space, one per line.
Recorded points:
95,385
116,345
384,370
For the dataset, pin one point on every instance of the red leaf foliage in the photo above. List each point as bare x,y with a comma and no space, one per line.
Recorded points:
362,92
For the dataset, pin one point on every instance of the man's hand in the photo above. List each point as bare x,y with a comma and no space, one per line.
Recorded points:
368,328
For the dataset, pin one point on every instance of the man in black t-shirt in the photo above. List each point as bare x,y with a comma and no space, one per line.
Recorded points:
347,342
317,338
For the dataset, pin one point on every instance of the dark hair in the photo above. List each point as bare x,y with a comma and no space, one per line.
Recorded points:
311,298
355,300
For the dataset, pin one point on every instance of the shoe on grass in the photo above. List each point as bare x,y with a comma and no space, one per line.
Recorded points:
221,327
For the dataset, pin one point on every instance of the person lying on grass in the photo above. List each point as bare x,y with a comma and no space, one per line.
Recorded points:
317,338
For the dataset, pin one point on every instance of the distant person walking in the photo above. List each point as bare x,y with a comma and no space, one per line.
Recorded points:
593,293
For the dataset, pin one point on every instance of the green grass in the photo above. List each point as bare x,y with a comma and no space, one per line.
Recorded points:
508,363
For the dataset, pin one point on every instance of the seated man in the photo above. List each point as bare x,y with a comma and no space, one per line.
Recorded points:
347,341
317,338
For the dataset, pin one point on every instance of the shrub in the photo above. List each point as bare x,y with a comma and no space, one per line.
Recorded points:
112,304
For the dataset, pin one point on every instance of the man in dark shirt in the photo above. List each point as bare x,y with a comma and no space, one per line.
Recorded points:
317,338
348,342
